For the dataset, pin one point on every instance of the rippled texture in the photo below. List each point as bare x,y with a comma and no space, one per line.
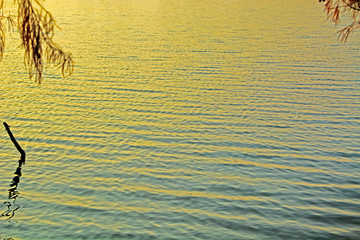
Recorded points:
187,120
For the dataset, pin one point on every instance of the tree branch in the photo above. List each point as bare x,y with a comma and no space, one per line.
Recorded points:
350,6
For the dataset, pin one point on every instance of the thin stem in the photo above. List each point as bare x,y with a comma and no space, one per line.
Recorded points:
350,6
22,152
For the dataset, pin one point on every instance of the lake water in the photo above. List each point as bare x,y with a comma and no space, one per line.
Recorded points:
233,119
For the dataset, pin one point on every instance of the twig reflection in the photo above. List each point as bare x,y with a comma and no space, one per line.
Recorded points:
13,193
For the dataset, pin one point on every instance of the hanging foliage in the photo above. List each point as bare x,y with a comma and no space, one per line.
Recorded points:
335,9
36,27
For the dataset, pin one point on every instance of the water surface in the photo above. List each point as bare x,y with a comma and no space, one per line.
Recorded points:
187,120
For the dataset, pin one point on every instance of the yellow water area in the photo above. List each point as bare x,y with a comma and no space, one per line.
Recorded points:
233,119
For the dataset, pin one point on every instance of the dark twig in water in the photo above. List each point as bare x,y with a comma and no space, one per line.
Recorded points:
13,193
22,152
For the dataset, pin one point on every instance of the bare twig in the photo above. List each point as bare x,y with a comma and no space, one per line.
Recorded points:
22,152
13,193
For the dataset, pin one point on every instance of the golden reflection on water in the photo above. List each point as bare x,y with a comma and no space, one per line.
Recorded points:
208,119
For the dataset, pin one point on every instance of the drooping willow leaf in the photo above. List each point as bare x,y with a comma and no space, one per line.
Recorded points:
36,27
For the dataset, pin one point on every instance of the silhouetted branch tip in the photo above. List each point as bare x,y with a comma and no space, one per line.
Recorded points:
334,9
